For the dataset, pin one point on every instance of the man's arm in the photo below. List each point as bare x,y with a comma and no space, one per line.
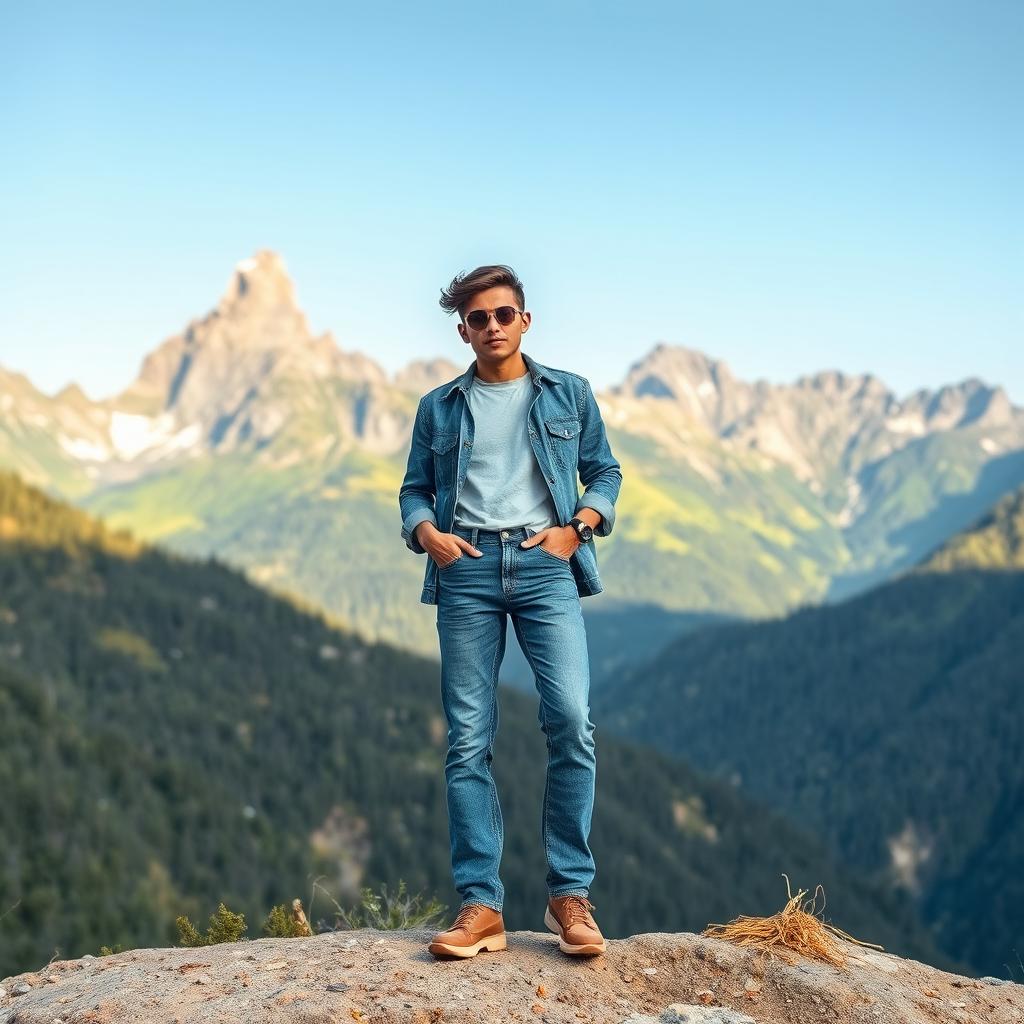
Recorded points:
599,470
591,517
416,495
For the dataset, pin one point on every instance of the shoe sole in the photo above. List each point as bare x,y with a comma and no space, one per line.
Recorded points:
583,949
490,943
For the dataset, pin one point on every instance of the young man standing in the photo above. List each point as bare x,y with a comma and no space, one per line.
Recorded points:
490,495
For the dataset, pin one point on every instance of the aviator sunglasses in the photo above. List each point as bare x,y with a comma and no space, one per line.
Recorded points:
479,318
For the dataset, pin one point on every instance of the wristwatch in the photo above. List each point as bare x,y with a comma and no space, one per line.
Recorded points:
584,531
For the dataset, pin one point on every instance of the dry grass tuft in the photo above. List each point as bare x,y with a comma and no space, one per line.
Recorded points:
793,932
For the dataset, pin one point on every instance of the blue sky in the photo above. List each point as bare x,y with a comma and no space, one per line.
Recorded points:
788,187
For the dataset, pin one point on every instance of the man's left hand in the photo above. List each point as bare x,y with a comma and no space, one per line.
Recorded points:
562,541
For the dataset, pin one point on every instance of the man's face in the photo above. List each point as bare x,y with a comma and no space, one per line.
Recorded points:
494,342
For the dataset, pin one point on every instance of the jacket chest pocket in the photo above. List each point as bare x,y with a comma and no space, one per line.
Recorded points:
445,454
564,441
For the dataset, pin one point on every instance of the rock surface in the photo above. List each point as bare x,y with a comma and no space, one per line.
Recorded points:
389,976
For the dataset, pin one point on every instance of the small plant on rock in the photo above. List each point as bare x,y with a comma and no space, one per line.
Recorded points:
224,926
388,911
283,923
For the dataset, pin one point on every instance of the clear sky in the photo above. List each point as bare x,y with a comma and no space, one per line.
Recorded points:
788,187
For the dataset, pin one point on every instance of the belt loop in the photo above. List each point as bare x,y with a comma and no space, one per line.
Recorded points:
529,532
476,530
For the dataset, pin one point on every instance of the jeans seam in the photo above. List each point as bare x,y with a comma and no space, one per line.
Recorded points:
492,730
547,772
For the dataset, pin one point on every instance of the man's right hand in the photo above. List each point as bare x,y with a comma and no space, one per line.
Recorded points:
443,547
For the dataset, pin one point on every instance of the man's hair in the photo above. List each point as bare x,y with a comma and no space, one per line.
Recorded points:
464,286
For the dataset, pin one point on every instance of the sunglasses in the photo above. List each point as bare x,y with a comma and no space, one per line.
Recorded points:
479,318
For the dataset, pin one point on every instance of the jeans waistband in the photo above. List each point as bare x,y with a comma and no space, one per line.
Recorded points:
508,535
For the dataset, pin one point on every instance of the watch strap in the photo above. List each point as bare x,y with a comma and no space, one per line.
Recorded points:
576,523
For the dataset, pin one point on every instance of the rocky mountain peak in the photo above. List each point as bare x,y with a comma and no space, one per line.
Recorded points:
970,401
672,371
257,311
231,376
258,283
256,325
703,389
837,384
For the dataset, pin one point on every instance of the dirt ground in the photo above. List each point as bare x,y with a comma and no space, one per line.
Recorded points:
389,976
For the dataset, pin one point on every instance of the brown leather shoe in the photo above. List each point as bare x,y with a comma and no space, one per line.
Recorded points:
476,927
570,919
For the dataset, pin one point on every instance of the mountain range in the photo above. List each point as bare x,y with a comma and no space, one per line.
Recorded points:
247,436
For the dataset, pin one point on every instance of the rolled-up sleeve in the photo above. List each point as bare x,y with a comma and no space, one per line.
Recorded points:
416,495
599,470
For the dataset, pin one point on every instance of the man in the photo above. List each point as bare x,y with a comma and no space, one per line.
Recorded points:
490,495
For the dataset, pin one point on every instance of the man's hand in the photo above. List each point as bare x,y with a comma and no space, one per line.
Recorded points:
563,541
443,547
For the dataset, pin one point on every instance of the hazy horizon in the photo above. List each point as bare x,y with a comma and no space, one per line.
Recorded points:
463,355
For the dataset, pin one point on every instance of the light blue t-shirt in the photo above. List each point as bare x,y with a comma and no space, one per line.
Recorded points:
504,484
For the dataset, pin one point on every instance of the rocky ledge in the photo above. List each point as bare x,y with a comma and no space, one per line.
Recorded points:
389,976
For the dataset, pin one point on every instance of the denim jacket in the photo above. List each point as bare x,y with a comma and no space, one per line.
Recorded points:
567,434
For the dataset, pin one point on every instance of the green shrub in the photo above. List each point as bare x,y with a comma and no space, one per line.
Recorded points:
224,926
281,923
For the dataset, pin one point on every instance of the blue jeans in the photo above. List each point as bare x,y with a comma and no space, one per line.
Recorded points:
475,595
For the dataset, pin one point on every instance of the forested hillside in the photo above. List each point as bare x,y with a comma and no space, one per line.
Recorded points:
892,722
174,736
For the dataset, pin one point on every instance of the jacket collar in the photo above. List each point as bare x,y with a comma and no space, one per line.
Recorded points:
536,370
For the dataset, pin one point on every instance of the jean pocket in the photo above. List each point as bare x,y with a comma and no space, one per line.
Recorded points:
564,442
551,554
441,568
